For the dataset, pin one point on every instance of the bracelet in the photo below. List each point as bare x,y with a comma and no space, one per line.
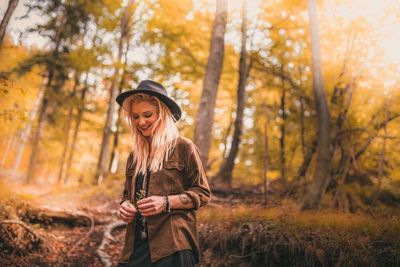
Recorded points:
165,203
167,207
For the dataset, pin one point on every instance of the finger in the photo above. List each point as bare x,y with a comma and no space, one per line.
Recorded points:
146,206
127,214
128,208
150,211
145,200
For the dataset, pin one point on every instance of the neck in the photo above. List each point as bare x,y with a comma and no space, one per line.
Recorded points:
148,138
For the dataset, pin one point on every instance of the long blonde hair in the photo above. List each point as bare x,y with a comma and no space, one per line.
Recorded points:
164,131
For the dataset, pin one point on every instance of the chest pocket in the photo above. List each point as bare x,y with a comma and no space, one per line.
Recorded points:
173,177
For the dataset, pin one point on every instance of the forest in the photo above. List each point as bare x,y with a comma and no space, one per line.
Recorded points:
293,105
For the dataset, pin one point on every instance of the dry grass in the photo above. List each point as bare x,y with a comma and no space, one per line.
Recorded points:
289,215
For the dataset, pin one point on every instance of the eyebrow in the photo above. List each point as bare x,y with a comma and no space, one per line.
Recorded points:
145,112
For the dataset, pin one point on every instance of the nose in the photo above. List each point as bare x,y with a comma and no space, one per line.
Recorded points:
142,122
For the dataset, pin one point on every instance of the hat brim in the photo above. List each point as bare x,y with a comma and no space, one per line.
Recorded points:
171,104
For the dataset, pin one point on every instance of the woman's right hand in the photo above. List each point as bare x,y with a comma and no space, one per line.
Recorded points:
127,212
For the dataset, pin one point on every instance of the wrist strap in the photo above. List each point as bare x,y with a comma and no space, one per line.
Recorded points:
167,207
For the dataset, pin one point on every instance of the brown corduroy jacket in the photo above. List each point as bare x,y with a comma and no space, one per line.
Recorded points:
170,232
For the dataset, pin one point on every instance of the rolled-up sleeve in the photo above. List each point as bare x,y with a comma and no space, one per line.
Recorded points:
126,192
198,190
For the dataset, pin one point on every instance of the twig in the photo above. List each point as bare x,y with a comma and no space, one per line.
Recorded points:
244,256
100,251
83,238
23,225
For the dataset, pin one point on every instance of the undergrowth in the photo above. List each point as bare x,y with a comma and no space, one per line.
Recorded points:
249,235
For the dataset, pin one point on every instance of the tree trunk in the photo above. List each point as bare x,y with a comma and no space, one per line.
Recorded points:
302,110
205,114
227,167
282,110
9,144
12,4
382,158
38,131
114,154
104,157
266,157
63,162
44,104
28,127
79,118
321,178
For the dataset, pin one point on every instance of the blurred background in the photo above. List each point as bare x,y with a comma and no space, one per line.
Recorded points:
61,61
288,101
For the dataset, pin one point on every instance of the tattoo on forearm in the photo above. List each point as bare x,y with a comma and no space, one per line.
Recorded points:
184,199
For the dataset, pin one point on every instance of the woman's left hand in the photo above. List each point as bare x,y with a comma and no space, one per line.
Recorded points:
151,205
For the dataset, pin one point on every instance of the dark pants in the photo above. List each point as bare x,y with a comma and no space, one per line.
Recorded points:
141,258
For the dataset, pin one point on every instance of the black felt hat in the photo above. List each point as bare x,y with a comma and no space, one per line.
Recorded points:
155,89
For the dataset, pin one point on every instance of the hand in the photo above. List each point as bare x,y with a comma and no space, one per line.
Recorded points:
151,205
127,212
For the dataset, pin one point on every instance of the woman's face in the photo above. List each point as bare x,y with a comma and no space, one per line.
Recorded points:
144,115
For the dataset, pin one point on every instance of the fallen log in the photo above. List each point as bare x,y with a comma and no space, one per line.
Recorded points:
50,215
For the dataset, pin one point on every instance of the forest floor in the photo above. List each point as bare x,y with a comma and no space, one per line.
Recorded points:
233,231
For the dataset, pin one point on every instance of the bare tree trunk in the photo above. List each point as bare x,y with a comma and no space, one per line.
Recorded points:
38,131
382,158
321,178
12,4
302,125
225,138
227,167
9,144
205,114
25,133
282,110
266,157
104,157
79,118
44,105
114,154
67,127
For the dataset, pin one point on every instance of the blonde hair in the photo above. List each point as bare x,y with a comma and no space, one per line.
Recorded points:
164,131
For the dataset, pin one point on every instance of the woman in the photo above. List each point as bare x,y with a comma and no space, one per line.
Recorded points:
165,183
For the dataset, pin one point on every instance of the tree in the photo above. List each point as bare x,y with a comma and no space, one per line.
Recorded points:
322,170
12,4
226,170
205,114
61,28
125,28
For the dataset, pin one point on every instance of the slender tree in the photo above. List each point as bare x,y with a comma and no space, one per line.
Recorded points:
67,127
321,178
227,167
79,118
104,157
205,114
66,20
12,5
27,129
282,143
